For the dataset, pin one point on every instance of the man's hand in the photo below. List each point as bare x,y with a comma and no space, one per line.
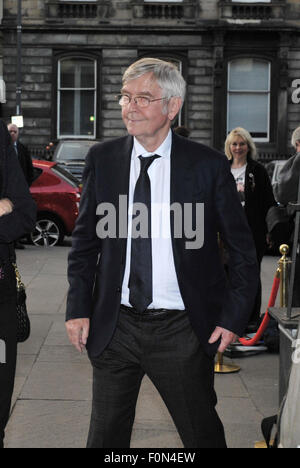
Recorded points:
227,337
78,332
6,206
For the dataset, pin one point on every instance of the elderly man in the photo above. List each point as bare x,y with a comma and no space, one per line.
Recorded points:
286,190
22,153
144,298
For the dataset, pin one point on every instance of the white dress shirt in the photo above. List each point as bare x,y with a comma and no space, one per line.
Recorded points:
166,294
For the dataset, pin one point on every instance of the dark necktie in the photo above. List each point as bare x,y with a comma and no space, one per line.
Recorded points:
140,280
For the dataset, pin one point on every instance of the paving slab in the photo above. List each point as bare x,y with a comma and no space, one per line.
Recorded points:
57,335
60,353
40,327
230,385
48,424
147,435
58,381
47,300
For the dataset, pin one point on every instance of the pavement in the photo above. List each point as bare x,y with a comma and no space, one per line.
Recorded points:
52,397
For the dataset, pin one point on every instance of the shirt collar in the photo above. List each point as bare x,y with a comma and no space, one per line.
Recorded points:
164,150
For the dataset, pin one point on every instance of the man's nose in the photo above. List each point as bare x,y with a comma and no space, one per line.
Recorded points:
132,105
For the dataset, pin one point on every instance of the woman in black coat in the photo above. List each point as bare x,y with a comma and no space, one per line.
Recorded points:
256,194
17,217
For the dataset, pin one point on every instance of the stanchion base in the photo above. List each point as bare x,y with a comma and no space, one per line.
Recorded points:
262,444
221,368
226,368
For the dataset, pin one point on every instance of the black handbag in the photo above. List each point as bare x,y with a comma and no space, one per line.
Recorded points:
23,322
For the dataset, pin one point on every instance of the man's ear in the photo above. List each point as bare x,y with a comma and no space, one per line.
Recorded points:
174,107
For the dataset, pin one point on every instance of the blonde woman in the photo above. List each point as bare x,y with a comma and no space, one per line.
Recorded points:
256,195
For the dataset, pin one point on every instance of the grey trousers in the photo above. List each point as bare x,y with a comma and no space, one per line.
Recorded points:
168,351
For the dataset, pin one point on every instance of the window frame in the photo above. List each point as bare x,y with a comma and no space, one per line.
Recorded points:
180,59
230,92
2,83
251,1
59,90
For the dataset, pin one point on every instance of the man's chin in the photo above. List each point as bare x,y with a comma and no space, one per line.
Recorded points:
132,130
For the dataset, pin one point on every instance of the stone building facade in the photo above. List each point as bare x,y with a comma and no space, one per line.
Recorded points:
241,61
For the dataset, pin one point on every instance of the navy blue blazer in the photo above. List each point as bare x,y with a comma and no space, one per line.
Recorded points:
96,266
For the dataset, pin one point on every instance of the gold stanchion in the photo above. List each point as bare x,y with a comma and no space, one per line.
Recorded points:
284,271
221,368
284,266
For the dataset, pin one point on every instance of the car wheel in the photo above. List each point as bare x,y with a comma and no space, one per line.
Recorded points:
48,232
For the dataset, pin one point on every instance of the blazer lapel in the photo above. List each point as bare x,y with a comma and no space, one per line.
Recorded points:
121,184
123,172
181,172
182,184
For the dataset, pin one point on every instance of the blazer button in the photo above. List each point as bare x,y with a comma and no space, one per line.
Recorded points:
119,290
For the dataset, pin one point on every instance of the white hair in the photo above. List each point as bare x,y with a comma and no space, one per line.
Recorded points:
167,75
295,136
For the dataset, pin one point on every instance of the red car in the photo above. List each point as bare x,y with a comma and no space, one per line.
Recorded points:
57,195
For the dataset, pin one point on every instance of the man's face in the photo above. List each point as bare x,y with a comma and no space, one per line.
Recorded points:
152,122
14,132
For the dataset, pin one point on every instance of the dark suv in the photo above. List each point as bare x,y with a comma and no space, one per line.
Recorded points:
71,154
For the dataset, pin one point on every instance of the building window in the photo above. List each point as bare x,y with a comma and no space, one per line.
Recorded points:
77,96
166,10
2,84
178,64
248,97
1,11
246,10
251,1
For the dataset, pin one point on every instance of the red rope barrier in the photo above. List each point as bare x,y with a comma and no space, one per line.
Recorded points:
265,322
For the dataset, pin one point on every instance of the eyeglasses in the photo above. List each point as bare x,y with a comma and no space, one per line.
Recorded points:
140,101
